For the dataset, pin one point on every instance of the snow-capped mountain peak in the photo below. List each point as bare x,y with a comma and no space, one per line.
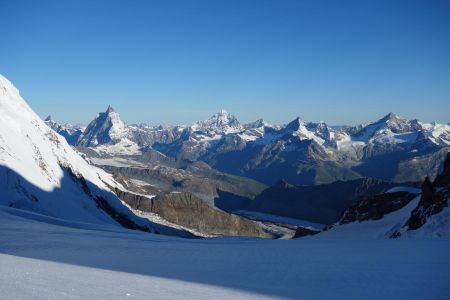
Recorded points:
109,134
52,123
258,124
318,132
110,109
106,128
39,170
295,124
395,122
219,122
391,124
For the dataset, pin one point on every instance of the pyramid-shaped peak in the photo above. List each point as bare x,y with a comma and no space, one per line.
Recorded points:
49,118
295,124
390,117
256,124
110,109
219,121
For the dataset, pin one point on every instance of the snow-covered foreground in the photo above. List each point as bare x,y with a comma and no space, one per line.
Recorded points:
42,257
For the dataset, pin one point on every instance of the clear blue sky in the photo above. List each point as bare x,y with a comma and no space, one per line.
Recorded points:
169,62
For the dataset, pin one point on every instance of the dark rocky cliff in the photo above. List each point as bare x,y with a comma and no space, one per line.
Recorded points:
434,198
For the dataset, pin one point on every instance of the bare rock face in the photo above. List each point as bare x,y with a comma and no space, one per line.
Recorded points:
302,232
434,198
376,207
187,210
443,179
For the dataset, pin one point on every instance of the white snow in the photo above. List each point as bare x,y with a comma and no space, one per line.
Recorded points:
140,182
247,137
377,229
388,136
124,146
437,133
41,258
222,122
303,133
33,168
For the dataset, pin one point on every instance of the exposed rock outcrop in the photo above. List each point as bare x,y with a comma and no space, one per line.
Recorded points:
302,232
434,198
186,210
376,207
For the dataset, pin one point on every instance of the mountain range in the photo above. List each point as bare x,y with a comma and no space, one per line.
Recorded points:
40,172
215,177
392,148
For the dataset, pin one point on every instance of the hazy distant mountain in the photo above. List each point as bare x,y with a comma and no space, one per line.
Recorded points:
70,132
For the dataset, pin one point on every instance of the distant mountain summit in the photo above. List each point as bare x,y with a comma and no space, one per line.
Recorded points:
106,128
70,132
221,122
109,134
391,148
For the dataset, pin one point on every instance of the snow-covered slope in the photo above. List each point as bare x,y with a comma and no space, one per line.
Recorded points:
393,225
382,228
43,259
40,172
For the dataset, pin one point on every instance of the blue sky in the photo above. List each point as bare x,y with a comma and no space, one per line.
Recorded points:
342,62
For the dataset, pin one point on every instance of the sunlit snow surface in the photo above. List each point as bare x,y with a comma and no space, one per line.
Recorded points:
45,258
34,161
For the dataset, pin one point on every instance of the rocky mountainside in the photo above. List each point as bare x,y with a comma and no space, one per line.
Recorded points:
192,213
433,205
401,211
391,149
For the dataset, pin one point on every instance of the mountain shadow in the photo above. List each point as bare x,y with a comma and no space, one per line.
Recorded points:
76,199
322,203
